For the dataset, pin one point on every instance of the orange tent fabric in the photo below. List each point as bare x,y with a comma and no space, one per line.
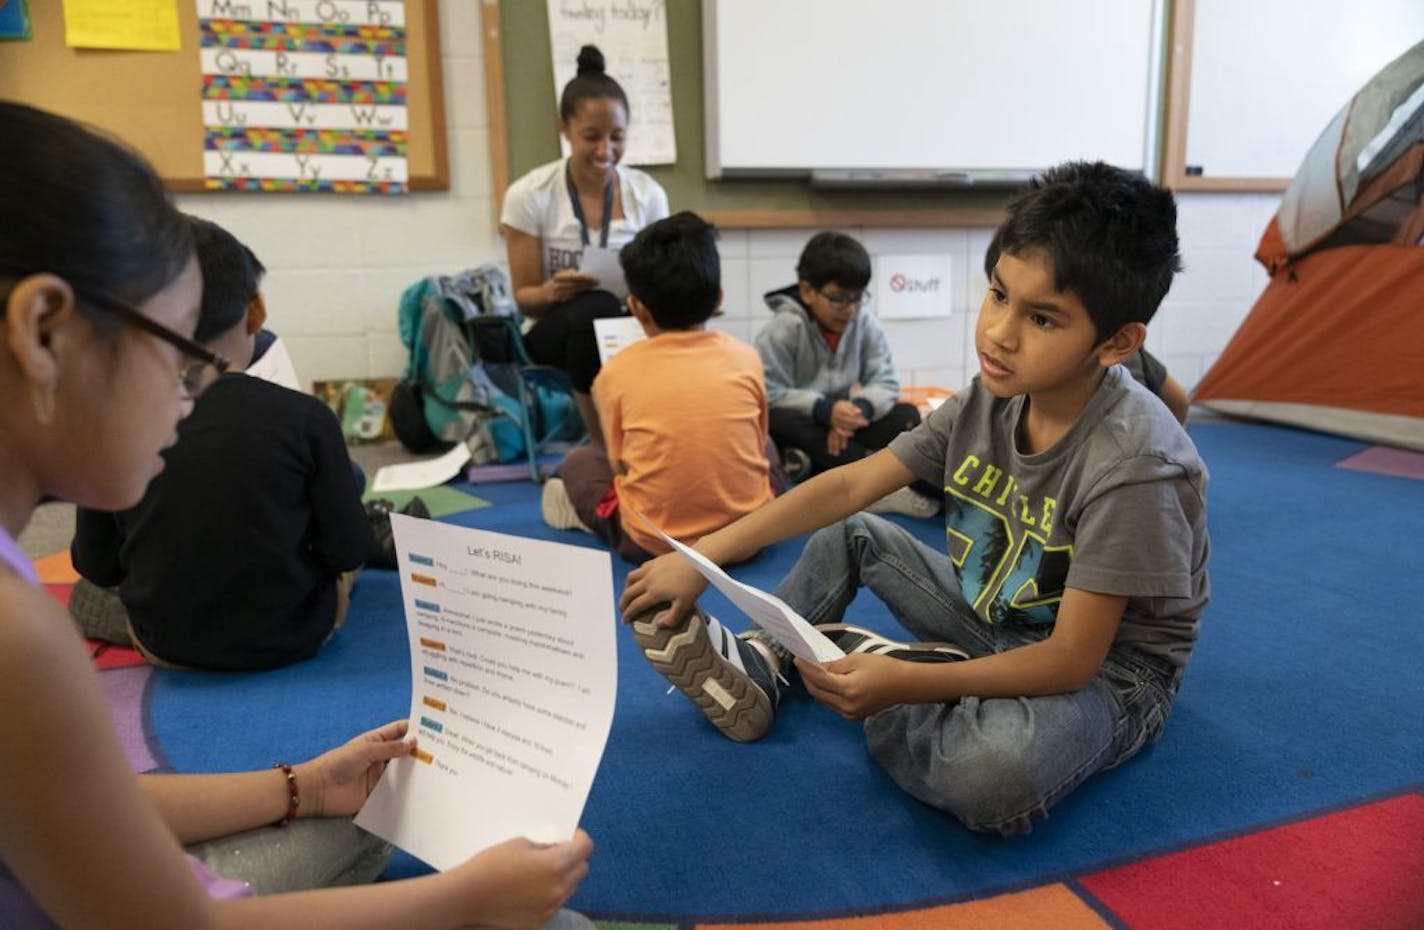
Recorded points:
1336,341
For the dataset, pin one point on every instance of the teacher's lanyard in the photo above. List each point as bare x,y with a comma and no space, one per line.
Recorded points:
578,209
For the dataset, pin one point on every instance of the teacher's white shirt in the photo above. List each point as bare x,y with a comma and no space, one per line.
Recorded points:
538,204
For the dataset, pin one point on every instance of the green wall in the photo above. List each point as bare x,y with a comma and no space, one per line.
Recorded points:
532,119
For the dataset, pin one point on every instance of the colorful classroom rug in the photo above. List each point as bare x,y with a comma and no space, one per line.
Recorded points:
1284,793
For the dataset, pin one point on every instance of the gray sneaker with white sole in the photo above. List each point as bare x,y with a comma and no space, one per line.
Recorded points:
726,677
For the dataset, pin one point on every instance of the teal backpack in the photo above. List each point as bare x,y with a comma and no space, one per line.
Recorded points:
469,378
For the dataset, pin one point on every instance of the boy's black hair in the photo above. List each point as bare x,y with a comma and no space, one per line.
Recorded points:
834,258
231,278
672,266
1110,233
590,82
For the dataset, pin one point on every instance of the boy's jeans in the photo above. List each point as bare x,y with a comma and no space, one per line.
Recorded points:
997,764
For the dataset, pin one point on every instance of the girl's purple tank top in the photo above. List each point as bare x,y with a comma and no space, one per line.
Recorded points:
18,911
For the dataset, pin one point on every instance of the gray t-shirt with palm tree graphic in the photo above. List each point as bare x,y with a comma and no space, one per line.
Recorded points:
1117,506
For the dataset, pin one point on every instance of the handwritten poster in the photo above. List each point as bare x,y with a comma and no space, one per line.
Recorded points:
632,34
304,95
513,676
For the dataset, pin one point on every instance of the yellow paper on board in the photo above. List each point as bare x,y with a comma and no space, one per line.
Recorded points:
142,25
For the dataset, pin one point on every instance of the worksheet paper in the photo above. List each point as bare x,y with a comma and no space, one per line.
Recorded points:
767,611
513,675
616,333
603,264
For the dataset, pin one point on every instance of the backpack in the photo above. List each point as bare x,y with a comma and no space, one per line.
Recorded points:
465,381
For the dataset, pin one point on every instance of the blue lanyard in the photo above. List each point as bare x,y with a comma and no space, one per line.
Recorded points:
578,208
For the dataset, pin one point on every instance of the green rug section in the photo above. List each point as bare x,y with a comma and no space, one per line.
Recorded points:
442,500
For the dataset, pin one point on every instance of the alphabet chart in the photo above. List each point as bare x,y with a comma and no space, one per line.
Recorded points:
304,95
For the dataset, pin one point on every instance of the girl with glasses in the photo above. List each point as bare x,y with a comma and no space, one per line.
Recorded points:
99,298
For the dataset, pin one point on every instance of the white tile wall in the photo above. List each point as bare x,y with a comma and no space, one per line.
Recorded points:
1206,304
337,265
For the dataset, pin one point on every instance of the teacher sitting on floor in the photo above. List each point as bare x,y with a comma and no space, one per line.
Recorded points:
559,209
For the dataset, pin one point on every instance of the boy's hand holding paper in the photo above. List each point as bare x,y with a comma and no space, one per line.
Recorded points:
767,611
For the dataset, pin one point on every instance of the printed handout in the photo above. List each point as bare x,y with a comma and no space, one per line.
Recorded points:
616,333
513,676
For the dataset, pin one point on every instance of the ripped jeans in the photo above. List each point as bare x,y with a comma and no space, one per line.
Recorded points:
996,764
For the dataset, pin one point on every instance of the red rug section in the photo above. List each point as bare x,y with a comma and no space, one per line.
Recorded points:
105,655
1356,868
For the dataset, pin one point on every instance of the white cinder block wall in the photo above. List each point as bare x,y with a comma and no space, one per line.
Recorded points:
337,265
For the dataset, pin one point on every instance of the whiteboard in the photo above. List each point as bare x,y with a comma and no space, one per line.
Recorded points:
938,86
1267,76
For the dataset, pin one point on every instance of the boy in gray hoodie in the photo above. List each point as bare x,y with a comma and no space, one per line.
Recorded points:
830,379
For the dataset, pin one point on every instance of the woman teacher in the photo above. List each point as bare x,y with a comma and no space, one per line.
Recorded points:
559,209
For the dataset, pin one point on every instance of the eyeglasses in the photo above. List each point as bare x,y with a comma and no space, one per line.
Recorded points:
843,301
194,377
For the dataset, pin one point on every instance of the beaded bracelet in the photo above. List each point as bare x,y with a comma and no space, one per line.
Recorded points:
294,799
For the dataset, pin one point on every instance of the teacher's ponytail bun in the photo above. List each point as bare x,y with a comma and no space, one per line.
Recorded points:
592,82
590,60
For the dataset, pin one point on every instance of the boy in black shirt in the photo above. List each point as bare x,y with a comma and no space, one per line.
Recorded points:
242,553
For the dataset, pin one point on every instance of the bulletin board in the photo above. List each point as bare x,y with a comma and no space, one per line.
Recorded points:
152,100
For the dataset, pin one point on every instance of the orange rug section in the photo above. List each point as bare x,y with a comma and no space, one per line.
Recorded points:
56,568
1053,906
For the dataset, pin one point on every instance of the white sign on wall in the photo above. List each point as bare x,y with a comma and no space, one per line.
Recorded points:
912,286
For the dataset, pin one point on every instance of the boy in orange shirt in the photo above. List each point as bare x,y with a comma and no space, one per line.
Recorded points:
665,403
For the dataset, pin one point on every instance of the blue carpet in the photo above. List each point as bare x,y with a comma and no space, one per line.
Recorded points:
1301,697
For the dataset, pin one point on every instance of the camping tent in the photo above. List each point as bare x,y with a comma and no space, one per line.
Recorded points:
1336,341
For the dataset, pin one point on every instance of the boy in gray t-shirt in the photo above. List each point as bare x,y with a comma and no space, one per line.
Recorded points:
1064,613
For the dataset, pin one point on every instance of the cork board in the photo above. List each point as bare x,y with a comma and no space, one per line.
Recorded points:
152,100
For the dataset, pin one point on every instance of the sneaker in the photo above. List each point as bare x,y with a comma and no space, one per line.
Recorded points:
795,463
378,515
728,678
905,501
558,509
853,639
